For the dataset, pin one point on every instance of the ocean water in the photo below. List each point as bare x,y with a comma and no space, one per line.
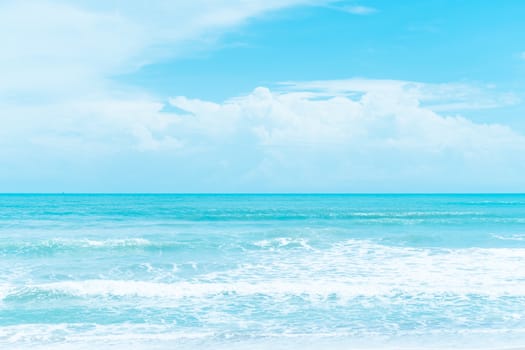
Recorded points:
262,271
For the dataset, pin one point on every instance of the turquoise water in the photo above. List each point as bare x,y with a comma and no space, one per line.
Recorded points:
262,271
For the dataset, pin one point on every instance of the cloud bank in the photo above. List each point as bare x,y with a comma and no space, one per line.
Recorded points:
67,126
354,135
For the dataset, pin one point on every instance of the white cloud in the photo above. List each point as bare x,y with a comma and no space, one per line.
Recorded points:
385,115
353,135
59,48
380,136
437,97
65,123
358,10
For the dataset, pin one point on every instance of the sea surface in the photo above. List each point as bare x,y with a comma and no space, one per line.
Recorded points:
262,271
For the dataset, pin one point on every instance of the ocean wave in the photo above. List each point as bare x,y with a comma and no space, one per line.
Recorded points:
80,332
283,242
316,290
129,242
51,246
345,269
166,336
509,237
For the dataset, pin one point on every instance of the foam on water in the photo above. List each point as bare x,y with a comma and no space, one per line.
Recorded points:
87,336
511,237
233,272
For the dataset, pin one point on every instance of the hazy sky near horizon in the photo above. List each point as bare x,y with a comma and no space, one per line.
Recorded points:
262,96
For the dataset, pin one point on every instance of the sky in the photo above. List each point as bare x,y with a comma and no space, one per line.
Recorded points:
373,96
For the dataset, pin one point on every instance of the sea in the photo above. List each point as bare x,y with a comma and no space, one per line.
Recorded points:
262,271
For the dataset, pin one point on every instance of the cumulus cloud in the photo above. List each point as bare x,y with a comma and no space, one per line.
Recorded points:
356,132
359,113
352,135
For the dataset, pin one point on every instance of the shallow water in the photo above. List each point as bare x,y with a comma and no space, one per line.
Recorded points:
262,271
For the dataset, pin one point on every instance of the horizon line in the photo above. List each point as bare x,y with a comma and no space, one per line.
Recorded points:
262,193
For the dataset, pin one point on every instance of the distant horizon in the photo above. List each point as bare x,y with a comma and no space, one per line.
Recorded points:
266,193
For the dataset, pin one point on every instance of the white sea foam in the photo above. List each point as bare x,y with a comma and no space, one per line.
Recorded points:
281,242
66,243
81,333
160,337
349,269
289,280
188,289
510,237
5,289
127,242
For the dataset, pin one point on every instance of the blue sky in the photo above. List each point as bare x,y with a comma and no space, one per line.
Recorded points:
430,41
262,96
